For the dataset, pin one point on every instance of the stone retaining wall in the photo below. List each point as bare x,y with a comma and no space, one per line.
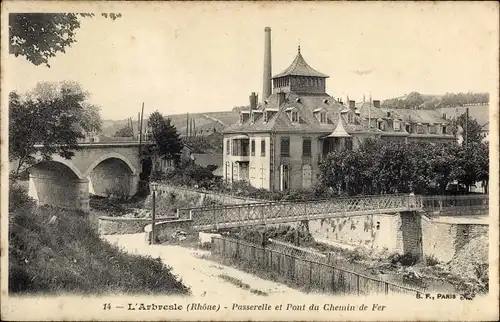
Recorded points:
120,225
225,199
442,240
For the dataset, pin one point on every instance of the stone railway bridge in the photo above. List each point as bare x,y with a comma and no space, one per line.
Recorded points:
96,168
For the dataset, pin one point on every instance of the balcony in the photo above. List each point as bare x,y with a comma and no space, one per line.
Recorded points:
240,149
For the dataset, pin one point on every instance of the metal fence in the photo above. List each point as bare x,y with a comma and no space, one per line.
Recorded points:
285,211
308,273
456,204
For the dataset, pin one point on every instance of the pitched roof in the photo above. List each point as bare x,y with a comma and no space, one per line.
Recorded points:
299,67
308,122
403,114
480,113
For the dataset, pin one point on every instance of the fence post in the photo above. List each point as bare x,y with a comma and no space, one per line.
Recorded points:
386,288
237,248
215,219
224,247
310,276
357,282
333,280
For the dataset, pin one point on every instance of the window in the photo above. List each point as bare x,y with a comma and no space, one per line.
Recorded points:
228,147
408,128
265,116
322,117
306,147
253,147
350,118
295,117
420,129
432,129
348,144
285,146
380,125
263,148
396,125
444,129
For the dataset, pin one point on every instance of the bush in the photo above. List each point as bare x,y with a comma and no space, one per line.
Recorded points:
55,251
407,259
431,260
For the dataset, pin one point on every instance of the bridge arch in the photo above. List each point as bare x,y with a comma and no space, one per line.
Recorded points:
112,155
112,174
58,182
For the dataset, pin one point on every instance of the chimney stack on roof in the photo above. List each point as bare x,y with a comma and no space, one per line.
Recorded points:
266,90
352,104
253,101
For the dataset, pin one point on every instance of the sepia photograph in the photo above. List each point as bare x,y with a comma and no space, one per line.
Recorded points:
249,160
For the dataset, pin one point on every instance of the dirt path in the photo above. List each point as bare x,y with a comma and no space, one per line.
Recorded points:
202,275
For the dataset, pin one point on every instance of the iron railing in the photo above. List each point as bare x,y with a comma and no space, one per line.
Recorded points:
310,274
260,213
455,203
285,211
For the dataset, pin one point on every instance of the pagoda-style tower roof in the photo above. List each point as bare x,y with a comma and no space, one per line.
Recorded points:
299,67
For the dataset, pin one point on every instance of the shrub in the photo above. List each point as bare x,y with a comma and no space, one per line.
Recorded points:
55,251
407,259
431,260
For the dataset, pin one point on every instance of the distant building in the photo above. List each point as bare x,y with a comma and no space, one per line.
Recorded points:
480,113
278,144
164,165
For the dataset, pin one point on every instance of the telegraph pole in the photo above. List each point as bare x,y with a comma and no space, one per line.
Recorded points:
466,126
140,129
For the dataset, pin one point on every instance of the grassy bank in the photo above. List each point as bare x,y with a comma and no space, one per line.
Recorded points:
57,251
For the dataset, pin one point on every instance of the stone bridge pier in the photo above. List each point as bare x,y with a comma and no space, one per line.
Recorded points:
54,184
96,170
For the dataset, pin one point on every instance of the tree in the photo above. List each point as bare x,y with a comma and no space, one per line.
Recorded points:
474,134
124,132
52,124
40,36
89,117
167,141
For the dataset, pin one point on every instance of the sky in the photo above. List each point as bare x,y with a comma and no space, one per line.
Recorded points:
204,57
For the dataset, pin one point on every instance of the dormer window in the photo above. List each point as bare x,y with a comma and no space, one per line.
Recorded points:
432,128
293,114
396,125
269,113
244,116
256,115
322,117
350,118
408,127
420,128
380,124
444,129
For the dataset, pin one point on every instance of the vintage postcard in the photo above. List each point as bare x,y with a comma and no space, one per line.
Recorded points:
241,161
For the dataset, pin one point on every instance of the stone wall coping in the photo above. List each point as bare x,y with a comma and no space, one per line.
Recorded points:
208,192
455,220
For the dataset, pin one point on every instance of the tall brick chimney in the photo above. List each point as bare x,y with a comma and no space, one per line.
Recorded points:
266,89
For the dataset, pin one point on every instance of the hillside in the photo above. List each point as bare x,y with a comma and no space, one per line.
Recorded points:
415,100
204,122
54,251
